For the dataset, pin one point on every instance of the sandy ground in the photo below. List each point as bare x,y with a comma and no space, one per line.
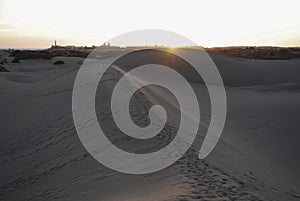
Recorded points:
257,157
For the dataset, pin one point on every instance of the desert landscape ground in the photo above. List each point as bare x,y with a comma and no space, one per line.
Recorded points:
257,157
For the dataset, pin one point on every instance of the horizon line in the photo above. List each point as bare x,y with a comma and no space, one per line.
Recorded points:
137,46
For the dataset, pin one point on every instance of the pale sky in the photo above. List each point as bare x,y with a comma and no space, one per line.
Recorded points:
37,23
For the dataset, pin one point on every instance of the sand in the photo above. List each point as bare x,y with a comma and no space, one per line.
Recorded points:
257,157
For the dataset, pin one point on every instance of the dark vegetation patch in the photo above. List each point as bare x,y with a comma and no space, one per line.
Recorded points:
30,54
48,53
270,53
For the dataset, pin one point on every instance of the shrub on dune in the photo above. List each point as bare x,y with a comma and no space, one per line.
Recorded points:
2,69
15,60
59,62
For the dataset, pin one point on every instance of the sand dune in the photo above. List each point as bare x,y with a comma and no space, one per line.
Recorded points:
42,157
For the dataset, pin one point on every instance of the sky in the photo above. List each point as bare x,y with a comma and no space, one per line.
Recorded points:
36,23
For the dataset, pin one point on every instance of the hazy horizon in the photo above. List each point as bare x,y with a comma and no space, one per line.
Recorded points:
36,24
